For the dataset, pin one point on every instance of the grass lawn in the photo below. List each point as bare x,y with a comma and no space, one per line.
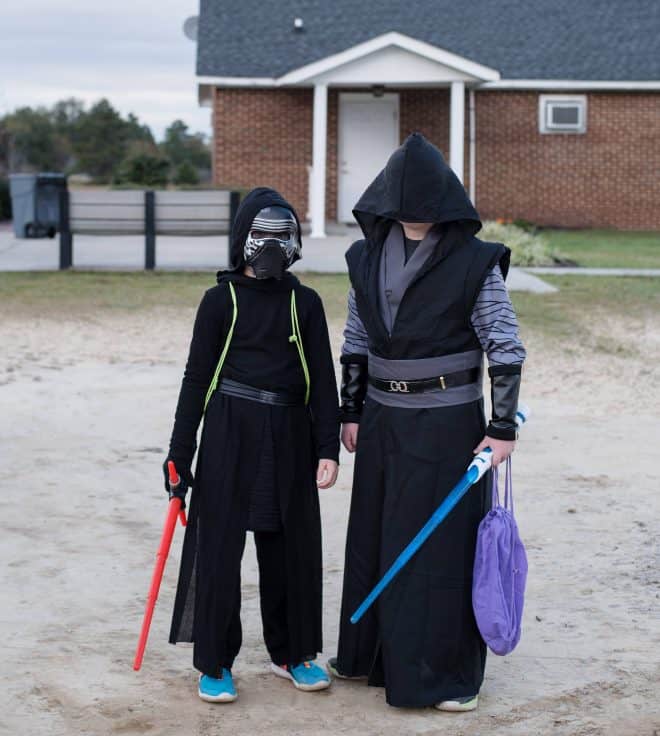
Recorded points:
75,293
607,248
567,315
577,312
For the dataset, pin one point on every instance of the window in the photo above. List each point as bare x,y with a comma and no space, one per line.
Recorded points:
562,114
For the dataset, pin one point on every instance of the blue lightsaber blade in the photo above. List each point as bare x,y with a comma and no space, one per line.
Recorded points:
476,469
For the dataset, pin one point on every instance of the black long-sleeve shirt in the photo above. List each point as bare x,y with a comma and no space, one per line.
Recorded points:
260,355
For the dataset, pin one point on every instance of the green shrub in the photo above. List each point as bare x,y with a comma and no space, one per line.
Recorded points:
186,175
527,248
144,165
5,200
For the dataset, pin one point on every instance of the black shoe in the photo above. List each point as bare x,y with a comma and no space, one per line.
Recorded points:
332,669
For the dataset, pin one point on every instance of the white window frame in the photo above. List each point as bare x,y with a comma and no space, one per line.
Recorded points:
546,102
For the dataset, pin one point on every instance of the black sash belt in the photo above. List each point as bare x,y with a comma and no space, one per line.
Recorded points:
449,380
275,398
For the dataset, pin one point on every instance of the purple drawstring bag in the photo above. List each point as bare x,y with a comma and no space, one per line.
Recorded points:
500,573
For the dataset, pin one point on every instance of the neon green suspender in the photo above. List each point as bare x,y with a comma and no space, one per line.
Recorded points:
225,349
296,337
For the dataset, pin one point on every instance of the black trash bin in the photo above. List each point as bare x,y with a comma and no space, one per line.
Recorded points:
35,202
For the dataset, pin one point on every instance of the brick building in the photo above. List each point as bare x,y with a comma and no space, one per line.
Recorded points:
548,112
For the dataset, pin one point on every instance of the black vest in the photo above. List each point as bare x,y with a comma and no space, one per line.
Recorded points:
434,315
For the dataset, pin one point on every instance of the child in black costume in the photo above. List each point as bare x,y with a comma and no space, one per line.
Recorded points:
260,371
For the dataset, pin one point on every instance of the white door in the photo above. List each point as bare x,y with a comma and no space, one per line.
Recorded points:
368,133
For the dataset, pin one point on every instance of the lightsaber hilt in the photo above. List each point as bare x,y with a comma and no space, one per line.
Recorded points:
175,483
482,462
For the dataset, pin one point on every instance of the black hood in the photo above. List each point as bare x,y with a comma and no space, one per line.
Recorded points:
253,202
416,185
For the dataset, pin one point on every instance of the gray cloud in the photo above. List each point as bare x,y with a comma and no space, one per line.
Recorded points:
134,53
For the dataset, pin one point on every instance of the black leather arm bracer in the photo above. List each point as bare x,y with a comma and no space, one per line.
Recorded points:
353,389
504,390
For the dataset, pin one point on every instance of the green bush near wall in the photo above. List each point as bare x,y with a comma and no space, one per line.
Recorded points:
527,247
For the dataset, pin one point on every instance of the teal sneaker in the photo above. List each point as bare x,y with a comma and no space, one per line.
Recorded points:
459,705
305,676
214,690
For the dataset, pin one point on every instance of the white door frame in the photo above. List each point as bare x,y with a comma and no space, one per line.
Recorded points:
360,96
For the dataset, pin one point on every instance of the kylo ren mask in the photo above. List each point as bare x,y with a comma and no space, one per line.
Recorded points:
273,242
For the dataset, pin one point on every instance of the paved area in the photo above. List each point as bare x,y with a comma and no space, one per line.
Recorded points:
558,271
126,252
519,280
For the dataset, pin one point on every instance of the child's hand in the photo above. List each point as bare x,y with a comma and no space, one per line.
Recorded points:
501,448
326,475
349,435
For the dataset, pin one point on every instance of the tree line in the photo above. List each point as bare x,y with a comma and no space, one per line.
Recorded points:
100,143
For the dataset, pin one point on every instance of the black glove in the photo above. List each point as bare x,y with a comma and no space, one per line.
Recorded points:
504,390
186,479
353,388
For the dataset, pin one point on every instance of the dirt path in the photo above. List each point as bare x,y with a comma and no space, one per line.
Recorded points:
86,414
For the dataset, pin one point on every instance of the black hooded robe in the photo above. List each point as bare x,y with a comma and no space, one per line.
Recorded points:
420,640
249,449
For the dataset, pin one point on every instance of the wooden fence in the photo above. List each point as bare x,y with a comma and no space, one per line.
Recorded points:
137,212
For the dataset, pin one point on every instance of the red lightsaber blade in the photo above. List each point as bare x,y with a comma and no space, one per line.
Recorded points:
174,511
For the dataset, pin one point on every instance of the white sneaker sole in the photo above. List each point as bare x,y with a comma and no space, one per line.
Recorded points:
222,698
453,706
281,672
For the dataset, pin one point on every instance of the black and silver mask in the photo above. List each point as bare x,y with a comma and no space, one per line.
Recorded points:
273,242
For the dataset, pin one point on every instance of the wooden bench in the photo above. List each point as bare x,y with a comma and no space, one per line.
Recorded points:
137,212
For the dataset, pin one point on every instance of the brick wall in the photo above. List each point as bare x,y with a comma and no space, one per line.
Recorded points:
425,111
263,137
606,177
332,154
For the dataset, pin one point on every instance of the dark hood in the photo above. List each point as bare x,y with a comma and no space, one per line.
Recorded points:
416,185
253,202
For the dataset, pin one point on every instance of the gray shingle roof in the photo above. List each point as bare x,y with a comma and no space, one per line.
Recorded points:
616,40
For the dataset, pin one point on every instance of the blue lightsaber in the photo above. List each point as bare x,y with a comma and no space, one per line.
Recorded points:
476,469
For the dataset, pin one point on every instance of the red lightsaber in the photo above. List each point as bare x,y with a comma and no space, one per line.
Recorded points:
174,510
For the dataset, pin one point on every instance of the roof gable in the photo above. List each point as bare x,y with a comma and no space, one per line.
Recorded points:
391,59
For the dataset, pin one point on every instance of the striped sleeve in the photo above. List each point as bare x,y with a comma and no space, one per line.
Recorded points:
355,336
495,323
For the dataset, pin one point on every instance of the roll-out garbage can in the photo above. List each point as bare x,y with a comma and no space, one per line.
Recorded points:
35,202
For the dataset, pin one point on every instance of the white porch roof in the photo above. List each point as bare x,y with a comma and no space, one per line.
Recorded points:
392,58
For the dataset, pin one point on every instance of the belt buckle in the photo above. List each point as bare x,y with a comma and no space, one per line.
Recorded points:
442,383
399,387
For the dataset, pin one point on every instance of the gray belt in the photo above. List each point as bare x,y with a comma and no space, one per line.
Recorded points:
422,368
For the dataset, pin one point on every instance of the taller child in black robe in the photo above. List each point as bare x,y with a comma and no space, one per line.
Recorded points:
257,462
412,378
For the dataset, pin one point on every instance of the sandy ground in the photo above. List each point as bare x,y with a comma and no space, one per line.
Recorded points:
86,411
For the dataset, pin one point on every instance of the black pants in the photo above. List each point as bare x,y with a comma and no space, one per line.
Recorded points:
272,594
420,640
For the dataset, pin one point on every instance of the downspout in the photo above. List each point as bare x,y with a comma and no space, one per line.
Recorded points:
473,143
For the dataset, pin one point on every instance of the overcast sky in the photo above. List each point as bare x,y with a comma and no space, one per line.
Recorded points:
131,51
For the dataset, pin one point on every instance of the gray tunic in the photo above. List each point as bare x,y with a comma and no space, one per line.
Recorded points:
493,320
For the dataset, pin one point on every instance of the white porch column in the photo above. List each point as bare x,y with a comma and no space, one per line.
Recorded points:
319,141
457,128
